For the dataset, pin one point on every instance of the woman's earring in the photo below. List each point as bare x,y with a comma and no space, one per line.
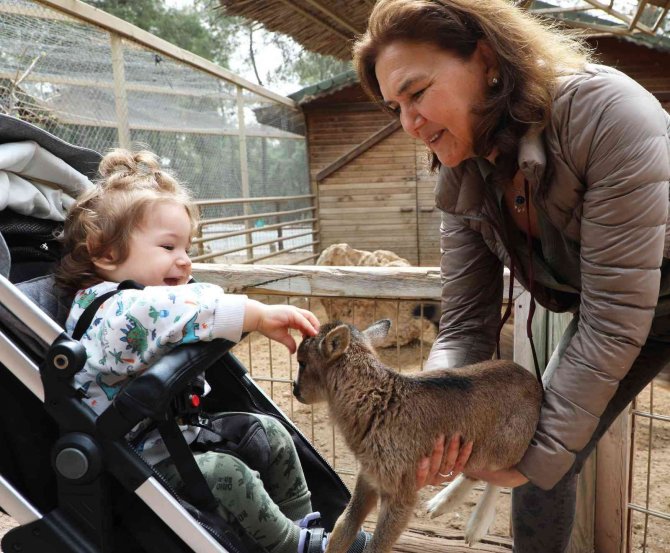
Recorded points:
494,81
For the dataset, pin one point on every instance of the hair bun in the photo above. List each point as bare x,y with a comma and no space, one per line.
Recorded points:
120,163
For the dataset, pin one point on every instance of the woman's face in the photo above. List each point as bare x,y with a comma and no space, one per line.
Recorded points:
434,93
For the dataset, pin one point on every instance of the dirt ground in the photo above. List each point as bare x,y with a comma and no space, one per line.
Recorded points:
273,368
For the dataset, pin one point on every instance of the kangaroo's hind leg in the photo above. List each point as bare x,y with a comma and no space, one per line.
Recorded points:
363,500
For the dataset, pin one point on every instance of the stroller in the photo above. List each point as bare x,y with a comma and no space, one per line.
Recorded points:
69,477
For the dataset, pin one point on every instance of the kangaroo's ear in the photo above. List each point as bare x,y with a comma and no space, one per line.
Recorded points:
335,343
376,332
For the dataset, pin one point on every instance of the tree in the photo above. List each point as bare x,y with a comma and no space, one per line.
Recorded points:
300,65
197,28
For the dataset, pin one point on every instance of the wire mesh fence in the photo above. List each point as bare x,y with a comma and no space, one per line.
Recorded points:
73,74
649,497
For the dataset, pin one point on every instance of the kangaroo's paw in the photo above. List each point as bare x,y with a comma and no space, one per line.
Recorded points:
450,497
482,517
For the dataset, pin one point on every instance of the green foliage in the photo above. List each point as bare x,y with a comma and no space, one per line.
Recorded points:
304,66
198,28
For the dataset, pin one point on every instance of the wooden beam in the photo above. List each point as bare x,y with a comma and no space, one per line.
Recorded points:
364,146
282,251
291,5
364,282
253,216
228,201
558,11
612,486
253,245
618,15
132,86
244,164
661,17
415,283
118,26
638,13
120,98
221,235
334,16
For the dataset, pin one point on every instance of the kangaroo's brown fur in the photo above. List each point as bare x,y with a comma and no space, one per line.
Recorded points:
390,420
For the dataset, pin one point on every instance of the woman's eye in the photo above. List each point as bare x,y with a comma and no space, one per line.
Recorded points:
417,95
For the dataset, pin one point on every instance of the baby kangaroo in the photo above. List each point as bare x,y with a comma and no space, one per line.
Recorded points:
390,421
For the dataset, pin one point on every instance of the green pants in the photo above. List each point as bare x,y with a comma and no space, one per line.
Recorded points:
265,509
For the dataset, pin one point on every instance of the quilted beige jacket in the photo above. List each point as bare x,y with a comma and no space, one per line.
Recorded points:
600,174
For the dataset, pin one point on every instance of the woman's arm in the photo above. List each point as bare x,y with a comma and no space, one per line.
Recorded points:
472,286
616,141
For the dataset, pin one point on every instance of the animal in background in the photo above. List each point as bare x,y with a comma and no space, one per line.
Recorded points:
391,420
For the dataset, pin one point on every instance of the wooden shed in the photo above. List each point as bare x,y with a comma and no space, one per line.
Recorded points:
370,178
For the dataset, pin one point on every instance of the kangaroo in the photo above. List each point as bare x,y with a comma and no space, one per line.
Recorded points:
390,421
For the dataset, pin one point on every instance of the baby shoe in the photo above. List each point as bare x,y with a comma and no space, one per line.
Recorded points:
314,538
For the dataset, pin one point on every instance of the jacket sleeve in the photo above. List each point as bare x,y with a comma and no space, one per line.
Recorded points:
133,328
472,282
615,139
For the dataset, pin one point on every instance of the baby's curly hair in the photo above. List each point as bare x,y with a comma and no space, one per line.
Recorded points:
104,217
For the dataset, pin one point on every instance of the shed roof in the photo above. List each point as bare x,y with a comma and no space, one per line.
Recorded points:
324,88
330,26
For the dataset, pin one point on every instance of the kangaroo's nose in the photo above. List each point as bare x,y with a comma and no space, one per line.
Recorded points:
296,390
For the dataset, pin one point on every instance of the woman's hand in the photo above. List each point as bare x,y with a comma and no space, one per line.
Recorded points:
445,463
506,478
274,321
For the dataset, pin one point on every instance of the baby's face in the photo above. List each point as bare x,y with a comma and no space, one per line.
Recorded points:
158,249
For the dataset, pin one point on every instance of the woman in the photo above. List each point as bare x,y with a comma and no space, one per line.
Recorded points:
557,169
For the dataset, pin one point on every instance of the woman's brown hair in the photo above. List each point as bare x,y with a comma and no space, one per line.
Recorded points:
104,217
531,54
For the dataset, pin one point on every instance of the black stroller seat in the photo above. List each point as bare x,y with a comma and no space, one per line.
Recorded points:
68,476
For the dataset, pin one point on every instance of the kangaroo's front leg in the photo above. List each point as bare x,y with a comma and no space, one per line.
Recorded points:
394,514
347,526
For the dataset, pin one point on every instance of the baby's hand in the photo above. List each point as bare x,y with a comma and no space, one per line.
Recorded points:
274,321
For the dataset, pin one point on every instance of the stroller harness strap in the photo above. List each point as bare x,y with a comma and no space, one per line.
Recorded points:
195,488
87,316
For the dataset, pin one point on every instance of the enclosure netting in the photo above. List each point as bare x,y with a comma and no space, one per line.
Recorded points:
57,72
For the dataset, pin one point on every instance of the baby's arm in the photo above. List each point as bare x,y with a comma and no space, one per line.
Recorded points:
135,327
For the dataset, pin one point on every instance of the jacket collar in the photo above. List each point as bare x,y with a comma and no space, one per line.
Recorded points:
532,156
461,190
